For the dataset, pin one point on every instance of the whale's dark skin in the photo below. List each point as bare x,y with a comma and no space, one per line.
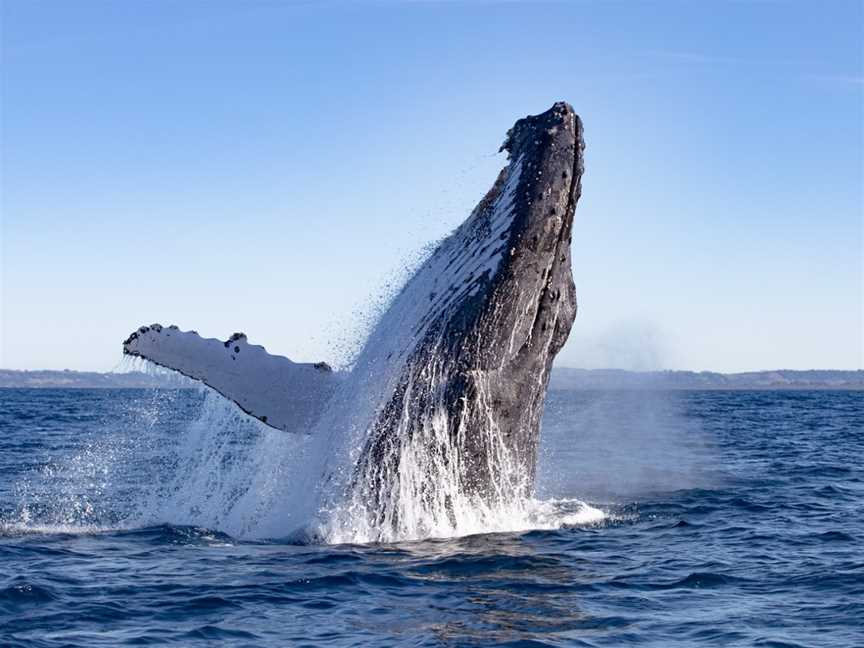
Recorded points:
493,351
448,393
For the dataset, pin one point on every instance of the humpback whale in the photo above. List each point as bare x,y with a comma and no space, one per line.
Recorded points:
441,409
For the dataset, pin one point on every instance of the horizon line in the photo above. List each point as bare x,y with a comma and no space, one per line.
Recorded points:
658,370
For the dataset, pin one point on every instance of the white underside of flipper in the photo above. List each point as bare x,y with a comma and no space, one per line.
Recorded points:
286,395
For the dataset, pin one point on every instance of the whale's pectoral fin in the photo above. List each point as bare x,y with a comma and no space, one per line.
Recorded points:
283,394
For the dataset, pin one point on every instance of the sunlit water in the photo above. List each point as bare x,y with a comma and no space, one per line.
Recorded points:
716,518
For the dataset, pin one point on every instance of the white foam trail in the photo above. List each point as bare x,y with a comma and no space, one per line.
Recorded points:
527,515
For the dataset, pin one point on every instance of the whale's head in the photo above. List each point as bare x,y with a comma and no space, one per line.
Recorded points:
460,361
532,302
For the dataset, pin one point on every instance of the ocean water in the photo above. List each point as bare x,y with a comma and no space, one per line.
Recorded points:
661,519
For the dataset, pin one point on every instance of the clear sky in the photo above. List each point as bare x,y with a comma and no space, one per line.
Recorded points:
266,166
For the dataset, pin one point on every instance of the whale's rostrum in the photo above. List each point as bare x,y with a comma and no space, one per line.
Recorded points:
440,414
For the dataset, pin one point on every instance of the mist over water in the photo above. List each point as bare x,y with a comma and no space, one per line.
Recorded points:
623,445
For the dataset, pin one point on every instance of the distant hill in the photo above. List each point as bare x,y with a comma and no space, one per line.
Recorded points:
569,379
48,379
562,379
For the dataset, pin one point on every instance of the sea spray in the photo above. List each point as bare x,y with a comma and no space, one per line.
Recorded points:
623,445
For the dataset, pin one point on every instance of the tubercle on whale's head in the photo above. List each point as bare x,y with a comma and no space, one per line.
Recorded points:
558,114
536,272
546,143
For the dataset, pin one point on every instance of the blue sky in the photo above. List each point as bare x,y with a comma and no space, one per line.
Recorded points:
268,166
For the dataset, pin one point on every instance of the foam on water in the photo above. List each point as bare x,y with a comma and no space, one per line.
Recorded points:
25,527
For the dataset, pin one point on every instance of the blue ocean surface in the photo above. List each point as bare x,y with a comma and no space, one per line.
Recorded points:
728,519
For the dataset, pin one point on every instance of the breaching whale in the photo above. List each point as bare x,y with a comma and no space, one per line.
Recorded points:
442,407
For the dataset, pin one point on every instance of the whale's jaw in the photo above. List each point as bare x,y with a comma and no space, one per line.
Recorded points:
471,339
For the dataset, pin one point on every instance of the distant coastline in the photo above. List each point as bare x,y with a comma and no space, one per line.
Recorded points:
563,379
68,379
782,379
